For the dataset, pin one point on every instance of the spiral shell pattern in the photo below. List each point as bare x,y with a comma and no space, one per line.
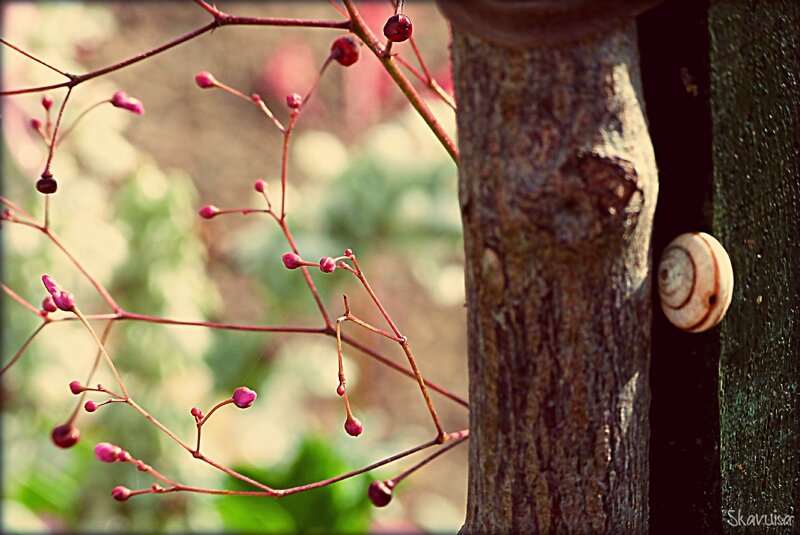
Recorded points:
695,282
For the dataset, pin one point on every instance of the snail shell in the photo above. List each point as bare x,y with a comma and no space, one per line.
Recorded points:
695,281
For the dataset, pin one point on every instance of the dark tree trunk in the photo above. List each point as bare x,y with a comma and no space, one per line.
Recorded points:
557,189
755,64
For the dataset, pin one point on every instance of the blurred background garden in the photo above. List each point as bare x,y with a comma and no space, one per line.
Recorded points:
364,173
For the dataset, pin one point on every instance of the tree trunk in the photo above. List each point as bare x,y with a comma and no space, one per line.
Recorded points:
557,185
755,61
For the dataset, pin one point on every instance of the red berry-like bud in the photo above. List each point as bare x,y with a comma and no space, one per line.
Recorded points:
380,493
76,387
107,452
204,80
123,100
327,264
340,390
47,102
398,28
90,406
208,211
121,493
292,260
35,123
353,426
294,101
197,413
243,397
124,456
260,185
48,305
348,253
345,50
46,185
65,435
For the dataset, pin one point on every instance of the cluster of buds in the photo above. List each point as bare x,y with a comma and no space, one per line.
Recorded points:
61,298
110,453
326,264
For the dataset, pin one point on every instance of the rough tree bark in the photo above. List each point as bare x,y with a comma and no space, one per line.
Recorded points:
557,185
755,61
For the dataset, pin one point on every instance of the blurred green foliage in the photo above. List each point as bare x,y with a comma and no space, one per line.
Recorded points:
337,508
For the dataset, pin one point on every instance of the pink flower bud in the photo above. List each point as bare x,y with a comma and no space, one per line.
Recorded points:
123,100
260,185
90,406
294,101
65,301
208,211
204,80
255,97
47,102
76,387
340,390
353,426
243,397
292,260
124,456
121,493
107,452
344,50
65,435
348,252
380,493
327,265
48,305
35,123
50,285
197,413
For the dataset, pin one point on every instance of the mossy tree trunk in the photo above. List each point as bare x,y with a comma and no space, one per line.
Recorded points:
557,188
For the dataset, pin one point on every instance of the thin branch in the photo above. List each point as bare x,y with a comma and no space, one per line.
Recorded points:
386,362
93,281
23,348
125,315
36,59
13,295
222,20
360,28
453,440
95,364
